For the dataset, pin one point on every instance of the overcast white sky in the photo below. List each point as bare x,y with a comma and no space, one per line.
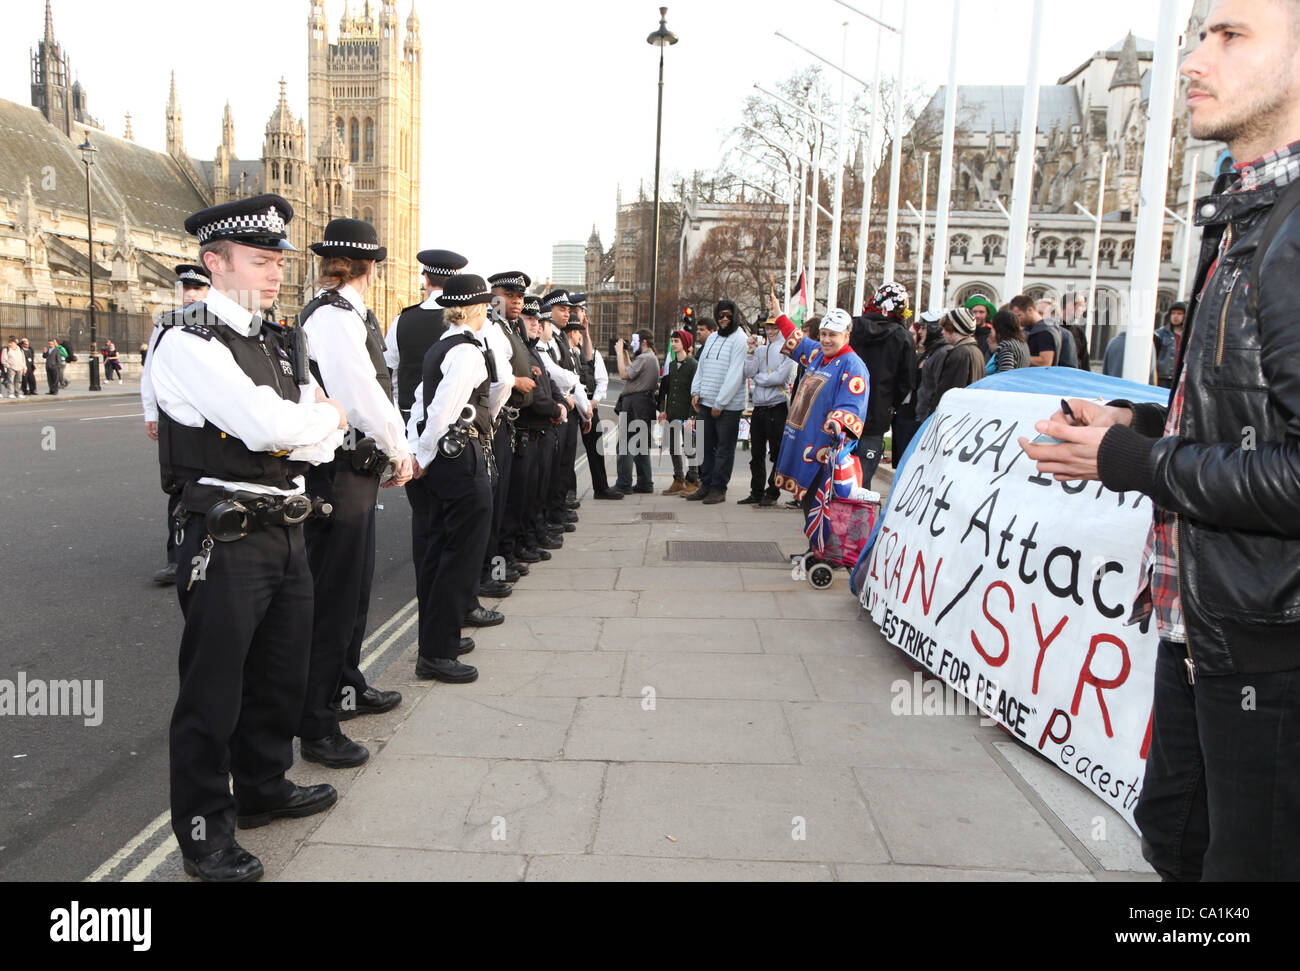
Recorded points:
509,85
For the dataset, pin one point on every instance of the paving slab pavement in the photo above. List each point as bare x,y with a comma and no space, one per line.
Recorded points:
644,719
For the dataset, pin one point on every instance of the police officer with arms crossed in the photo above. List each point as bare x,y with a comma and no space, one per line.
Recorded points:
410,336
194,282
347,361
239,424
452,442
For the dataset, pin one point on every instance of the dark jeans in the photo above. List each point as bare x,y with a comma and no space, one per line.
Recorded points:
1221,796
869,452
677,447
719,449
765,430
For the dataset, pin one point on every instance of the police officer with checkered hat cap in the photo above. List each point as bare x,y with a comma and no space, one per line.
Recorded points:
240,421
194,281
563,369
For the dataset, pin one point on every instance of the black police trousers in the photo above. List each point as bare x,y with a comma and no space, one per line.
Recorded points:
341,554
243,672
540,484
460,518
516,521
503,452
591,441
563,476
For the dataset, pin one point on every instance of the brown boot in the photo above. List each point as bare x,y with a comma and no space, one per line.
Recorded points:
678,485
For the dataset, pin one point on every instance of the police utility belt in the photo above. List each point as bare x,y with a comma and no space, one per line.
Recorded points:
230,516
458,436
365,457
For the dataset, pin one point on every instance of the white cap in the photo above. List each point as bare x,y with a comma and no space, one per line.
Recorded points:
836,322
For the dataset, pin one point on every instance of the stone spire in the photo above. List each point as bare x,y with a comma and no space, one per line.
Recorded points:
49,23
1127,71
175,138
128,134
228,131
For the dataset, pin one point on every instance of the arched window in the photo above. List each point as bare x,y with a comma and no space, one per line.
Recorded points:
975,290
1167,249
288,173
1048,248
338,195
354,141
1106,252
275,170
370,140
1126,251
992,248
368,215
959,247
343,132
1073,250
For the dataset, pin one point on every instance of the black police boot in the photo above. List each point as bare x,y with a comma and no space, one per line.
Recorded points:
303,801
234,864
445,669
335,751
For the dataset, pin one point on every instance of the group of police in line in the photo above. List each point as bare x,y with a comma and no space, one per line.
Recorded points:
273,443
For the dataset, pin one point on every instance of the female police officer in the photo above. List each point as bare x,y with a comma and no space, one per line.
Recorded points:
454,459
347,358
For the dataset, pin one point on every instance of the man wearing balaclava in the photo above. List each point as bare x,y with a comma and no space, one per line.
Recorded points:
718,396
882,339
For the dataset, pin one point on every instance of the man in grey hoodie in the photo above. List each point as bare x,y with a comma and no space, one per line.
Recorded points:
718,395
771,372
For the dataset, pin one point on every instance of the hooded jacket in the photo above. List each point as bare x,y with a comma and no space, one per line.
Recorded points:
720,377
887,349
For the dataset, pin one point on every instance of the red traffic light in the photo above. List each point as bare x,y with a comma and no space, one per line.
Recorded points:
688,313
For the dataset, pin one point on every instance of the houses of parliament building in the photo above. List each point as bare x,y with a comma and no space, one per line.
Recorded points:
355,153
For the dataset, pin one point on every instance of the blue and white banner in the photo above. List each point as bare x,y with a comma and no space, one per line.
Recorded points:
1014,588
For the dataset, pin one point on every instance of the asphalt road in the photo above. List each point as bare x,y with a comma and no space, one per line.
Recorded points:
83,521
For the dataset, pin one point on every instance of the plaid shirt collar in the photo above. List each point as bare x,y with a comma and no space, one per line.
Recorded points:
1272,171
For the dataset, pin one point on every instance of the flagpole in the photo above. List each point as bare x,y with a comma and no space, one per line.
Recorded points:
833,276
939,259
868,180
811,266
1023,185
896,158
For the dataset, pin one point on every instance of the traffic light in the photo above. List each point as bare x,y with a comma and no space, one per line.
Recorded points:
688,320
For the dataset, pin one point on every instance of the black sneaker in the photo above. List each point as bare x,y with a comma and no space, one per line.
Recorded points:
750,501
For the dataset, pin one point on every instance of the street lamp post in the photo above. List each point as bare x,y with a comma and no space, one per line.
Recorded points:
88,156
661,38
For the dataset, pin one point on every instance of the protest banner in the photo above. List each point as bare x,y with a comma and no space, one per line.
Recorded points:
1014,589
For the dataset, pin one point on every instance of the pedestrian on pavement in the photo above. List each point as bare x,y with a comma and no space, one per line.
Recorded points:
964,364
70,357
347,360
882,339
771,370
240,422
1221,796
55,358
831,401
675,408
718,395
1012,351
639,368
29,373
112,362
454,455
15,366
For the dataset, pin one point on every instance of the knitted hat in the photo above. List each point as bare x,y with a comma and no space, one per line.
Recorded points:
685,337
961,320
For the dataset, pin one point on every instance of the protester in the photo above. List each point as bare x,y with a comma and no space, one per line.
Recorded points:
639,368
831,403
935,350
706,328
718,393
675,408
15,366
1044,342
1074,312
1112,363
1167,338
1012,350
1066,356
771,372
1221,796
981,308
906,418
964,364
881,338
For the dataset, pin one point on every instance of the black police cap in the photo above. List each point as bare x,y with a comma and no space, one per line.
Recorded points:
441,262
259,222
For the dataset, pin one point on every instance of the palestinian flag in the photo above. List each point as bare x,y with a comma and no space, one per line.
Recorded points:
797,310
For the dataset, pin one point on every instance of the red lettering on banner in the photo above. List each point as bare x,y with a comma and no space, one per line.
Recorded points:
896,580
1043,644
1050,731
1001,659
919,567
1086,676
1146,739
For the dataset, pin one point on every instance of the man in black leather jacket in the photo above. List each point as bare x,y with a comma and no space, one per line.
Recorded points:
1221,796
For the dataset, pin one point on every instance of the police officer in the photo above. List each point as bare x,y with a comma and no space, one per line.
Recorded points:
454,458
520,535
347,360
595,379
410,336
239,423
194,282
561,367
508,292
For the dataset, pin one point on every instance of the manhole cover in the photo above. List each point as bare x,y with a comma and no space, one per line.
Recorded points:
658,517
694,551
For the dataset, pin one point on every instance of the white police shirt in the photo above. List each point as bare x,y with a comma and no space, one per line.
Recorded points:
147,397
463,370
565,380
337,339
195,379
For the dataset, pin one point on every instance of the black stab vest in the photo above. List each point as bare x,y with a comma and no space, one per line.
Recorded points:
374,337
478,397
418,329
186,454
586,371
519,364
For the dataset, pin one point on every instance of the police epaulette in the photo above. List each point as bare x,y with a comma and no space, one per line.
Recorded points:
199,330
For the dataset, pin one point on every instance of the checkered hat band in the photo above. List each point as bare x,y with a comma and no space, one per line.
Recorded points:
345,244
269,222
509,281
437,270
462,297
193,277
